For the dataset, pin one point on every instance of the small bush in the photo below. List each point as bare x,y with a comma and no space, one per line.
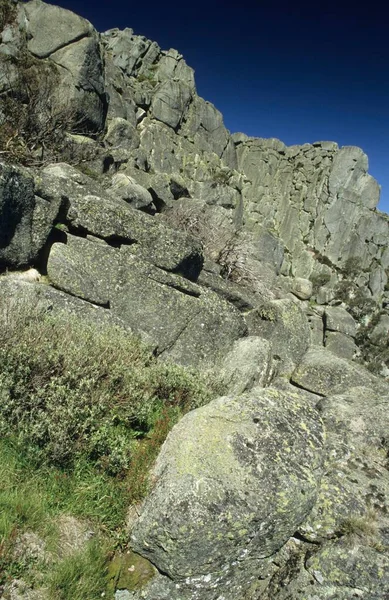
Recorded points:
71,389
363,529
33,125
84,409
7,13
353,266
223,245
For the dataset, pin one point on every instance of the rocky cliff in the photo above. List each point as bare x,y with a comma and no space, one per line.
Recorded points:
267,263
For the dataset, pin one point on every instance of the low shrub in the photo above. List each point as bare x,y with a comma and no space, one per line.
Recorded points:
84,409
222,244
71,389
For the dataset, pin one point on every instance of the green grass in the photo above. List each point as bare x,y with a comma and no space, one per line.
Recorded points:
84,409
81,575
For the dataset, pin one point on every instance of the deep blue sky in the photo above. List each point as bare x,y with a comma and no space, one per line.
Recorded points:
298,71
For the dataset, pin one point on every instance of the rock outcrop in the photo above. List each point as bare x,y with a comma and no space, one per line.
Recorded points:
265,263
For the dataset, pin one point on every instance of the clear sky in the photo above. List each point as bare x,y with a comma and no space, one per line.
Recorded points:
298,71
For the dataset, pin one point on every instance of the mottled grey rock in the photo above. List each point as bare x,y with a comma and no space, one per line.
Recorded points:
340,344
52,27
48,298
338,570
355,486
381,330
319,201
232,292
246,365
182,321
284,324
349,173
323,373
122,133
25,218
325,295
317,329
84,269
73,45
302,288
91,210
204,127
337,318
127,189
202,516
170,102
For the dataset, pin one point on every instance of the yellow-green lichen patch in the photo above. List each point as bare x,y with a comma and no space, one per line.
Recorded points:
129,571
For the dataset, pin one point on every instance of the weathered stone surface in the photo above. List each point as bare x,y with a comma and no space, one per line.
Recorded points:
339,570
349,523
73,45
317,329
121,133
234,293
52,27
182,321
93,211
25,219
50,299
353,497
381,330
323,373
318,199
84,269
236,479
302,288
125,188
170,102
337,318
267,248
177,528
204,126
248,364
340,344
284,324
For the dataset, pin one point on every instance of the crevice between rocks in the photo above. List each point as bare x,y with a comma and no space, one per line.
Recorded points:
301,387
60,47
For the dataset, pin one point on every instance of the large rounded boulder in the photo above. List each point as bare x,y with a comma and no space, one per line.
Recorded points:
232,483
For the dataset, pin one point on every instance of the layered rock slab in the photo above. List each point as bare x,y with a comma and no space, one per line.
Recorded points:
182,321
232,483
322,372
88,209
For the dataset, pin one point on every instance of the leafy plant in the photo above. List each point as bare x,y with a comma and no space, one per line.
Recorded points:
70,389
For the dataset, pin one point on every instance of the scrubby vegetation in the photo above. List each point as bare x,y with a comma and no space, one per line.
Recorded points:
34,124
84,409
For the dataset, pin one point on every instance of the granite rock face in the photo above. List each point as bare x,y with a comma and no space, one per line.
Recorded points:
238,505
321,202
26,219
264,263
72,44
